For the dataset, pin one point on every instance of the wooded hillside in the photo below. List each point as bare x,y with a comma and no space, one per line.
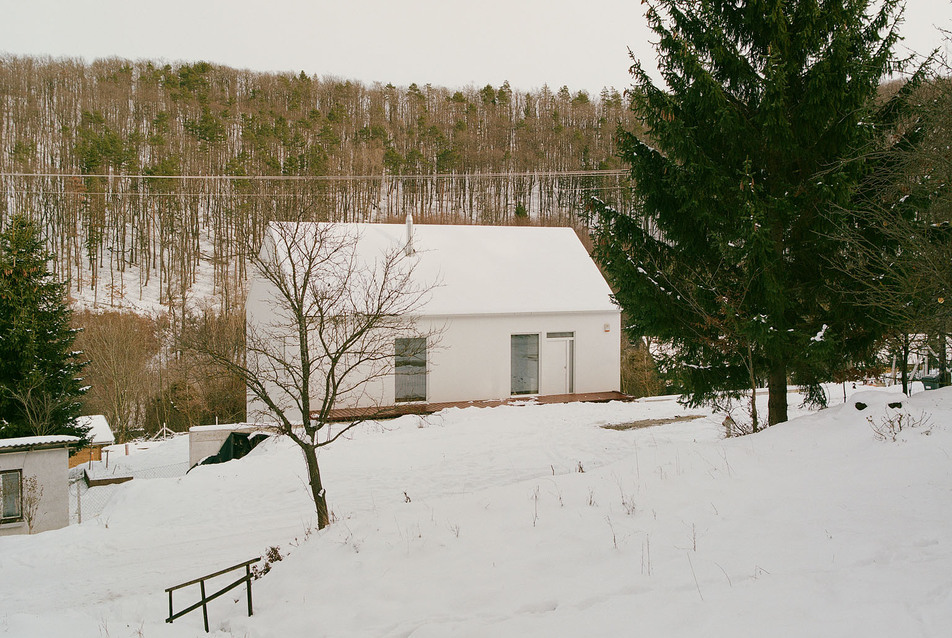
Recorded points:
160,171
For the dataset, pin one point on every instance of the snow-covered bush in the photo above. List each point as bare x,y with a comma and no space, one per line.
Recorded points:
888,426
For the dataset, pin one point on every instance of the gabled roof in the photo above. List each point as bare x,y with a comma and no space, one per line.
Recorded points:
37,442
99,431
493,269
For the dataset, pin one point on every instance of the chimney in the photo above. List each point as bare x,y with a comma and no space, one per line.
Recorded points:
409,247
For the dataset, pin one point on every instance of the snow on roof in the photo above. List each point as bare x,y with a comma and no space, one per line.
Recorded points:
231,427
53,440
99,431
493,269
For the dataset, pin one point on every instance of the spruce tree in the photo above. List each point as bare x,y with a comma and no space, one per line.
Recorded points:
40,388
749,159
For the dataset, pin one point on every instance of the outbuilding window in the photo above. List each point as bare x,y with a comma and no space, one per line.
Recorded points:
11,503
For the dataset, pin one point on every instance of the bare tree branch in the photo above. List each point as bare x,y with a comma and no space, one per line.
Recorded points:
332,311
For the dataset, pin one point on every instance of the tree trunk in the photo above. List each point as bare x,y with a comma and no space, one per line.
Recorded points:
754,425
904,373
317,490
943,361
777,397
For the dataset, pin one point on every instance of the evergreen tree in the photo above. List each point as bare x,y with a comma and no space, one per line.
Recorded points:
39,387
745,169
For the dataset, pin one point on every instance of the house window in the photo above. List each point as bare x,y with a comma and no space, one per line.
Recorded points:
410,369
524,366
12,504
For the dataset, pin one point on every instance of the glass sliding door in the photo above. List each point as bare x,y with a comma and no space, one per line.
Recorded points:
410,369
524,364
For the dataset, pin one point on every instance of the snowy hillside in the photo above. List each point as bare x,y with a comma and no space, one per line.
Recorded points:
530,521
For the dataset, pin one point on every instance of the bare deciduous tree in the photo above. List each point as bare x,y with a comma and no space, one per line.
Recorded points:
191,391
37,403
899,239
114,238
32,495
335,311
121,348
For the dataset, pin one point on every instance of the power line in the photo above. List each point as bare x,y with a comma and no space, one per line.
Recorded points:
335,178
238,196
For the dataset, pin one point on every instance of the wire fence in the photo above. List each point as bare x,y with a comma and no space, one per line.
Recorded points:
86,502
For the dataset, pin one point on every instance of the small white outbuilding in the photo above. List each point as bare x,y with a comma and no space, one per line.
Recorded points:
510,312
34,487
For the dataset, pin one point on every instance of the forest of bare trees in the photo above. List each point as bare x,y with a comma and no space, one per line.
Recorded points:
152,182
157,169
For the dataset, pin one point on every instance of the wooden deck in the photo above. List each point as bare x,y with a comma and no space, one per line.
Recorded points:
394,411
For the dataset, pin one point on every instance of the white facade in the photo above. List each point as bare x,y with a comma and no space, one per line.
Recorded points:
472,357
43,457
505,302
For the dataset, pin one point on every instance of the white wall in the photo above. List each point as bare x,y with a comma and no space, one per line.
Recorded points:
50,468
268,321
471,358
273,326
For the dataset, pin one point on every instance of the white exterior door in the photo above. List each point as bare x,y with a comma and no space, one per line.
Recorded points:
558,365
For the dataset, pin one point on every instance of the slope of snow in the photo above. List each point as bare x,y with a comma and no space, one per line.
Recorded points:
530,521
137,289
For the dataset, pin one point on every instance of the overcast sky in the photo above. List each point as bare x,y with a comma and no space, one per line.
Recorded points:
582,43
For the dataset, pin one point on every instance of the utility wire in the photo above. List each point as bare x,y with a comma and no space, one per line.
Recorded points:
210,194
337,178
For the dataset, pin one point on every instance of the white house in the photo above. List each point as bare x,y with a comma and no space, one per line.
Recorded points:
34,482
511,311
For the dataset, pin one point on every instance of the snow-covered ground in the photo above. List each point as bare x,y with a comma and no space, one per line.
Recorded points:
529,521
136,290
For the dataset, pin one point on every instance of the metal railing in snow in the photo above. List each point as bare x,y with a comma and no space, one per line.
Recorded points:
207,599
